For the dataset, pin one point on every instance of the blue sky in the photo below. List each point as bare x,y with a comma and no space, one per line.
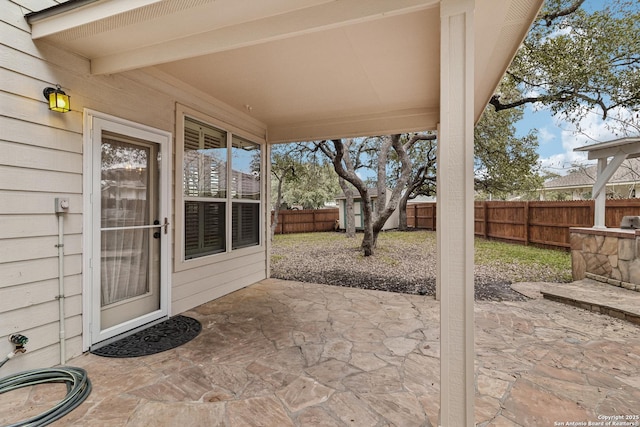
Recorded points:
558,138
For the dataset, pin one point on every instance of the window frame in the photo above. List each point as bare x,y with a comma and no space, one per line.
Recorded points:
180,261
232,193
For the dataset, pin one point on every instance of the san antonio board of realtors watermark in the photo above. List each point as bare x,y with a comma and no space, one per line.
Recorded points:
604,421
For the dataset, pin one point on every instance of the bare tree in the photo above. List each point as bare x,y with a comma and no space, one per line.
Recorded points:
338,151
423,173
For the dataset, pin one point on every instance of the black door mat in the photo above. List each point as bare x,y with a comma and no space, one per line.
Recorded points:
160,337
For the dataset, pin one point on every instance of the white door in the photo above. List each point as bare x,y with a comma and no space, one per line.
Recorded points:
129,237
357,213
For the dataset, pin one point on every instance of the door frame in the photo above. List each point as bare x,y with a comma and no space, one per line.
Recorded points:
91,295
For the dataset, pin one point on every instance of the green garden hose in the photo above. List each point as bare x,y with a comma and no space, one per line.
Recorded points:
78,389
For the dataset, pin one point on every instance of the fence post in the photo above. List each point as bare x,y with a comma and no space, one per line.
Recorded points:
282,223
526,223
415,216
485,225
434,215
314,221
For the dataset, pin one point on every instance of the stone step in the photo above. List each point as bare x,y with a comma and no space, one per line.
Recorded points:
596,296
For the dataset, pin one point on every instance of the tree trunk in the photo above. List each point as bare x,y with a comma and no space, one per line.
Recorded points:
381,183
370,235
274,223
392,204
402,211
349,174
372,223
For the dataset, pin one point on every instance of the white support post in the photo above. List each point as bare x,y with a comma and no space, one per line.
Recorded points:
265,175
455,213
605,171
438,223
600,197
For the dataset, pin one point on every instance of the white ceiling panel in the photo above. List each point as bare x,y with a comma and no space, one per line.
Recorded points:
305,68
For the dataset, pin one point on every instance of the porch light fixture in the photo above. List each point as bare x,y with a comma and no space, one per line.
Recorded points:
58,100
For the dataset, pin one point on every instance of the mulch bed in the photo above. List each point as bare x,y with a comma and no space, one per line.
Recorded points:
396,267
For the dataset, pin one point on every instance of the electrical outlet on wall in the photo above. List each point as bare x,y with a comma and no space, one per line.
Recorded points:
62,204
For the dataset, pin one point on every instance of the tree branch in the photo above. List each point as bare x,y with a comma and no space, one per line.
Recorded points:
323,147
419,137
550,16
499,106
562,96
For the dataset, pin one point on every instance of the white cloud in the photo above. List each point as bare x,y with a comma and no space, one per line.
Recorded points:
591,129
588,130
564,31
562,162
545,136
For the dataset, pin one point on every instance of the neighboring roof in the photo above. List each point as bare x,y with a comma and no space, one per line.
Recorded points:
629,172
422,199
61,7
373,192
306,69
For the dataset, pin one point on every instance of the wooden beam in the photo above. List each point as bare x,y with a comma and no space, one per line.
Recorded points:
607,172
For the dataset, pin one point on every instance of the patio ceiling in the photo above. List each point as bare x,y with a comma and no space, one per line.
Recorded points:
307,69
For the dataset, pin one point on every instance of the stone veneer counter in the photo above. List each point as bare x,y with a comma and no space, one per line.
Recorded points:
609,255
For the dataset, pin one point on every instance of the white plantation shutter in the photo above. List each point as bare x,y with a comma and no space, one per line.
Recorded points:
205,160
246,225
207,192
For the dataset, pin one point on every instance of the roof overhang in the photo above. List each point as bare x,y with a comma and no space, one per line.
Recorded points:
306,69
630,146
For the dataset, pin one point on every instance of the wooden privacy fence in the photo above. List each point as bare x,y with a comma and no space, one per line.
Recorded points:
305,221
540,223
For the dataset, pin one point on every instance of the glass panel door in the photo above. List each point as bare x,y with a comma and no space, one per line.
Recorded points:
127,238
130,229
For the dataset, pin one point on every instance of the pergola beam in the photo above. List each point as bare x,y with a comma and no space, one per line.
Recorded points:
607,172
620,150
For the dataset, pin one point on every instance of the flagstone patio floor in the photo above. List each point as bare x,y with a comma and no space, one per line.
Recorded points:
282,353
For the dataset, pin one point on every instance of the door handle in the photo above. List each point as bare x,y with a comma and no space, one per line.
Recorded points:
156,235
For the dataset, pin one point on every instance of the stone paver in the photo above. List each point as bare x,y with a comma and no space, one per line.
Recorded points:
285,353
598,297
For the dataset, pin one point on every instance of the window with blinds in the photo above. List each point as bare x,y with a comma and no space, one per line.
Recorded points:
245,166
245,225
205,160
210,198
204,232
245,192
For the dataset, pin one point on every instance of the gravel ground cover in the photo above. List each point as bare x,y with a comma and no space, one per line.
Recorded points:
404,262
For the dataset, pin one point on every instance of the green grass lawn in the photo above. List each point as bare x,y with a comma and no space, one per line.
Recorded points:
489,252
519,262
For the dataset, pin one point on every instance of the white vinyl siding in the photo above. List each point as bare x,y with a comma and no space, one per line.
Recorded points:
41,159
